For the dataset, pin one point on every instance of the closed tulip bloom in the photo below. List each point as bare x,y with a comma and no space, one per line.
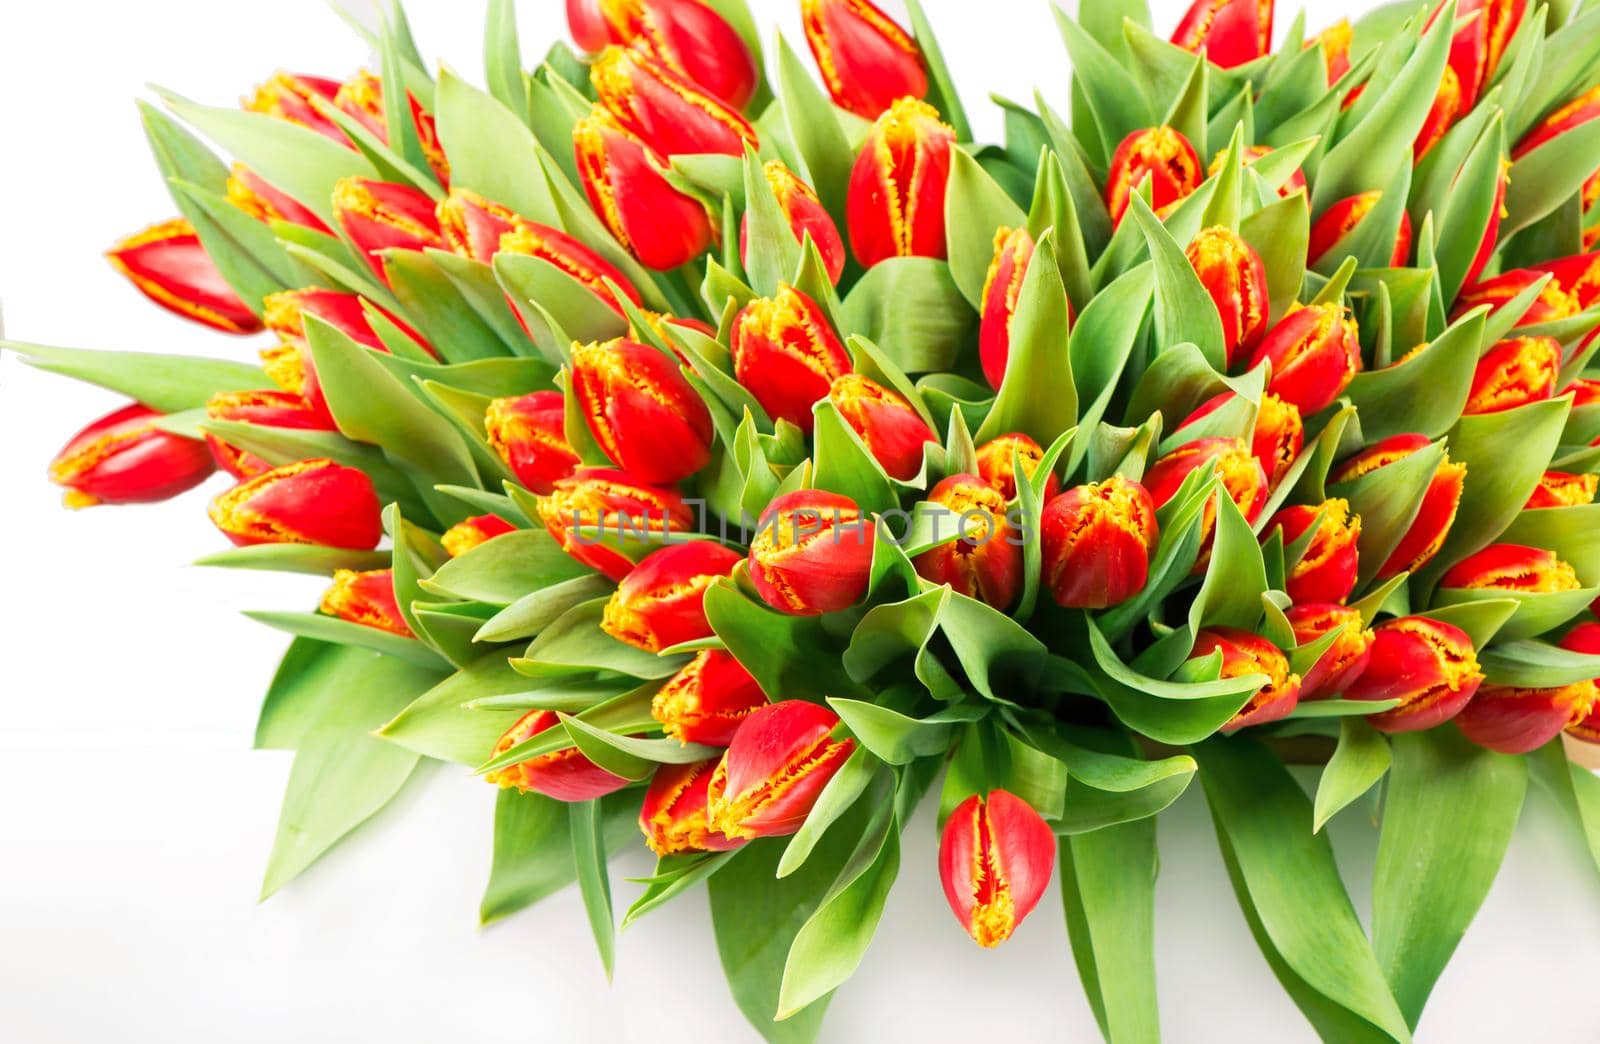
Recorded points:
996,855
1512,567
1491,231
1437,512
362,97
366,598
660,603
123,458
642,411
1568,117
1585,638
1097,543
472,532
383,215
1246,653
895,206
1234,276
1450,100
288,97
1335,43
1161,154
1562,489
806,215
1326,572
812,553
1585,392
706,701
530,435
1514,720
471,225
1231,460
1340,219
781,757
1278,435
1579,276
868,62
662,227
290,365
1429,666
688,36
168,265
267,408
995,464
985,561
786,355
565,775
1343,661
308,502
570,256
251,193
664,109
673,815
592,501
1002,288
1554,302
1231,32
1315,353
1514,373
894,433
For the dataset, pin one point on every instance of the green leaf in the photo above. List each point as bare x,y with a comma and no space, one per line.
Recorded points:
295,558
941,87
344,632
589,858
504,569
841,792
438,724
1426,392
1108,881
1358,763
502,58
1447,819
1575,788
813,123
1037,395
912,310
1543,179
976,207
1184,310
168,383
492,152
1117,110
533,848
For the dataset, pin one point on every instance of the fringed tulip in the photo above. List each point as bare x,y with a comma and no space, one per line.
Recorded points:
1315,353
779,760
673,815
248,191
1514,373
1554,301
893,432
996,855
1585,639
868,62
565,775
812,553
1578,275
1342,662
688,36
895,206
1512,567
1340,219
1002,289
621,175
366,598
1246,653
641,410
288,97
659,603
806,215
995,465
1231,32
1562,489
123,458
1097,542
1294,183
1277,437
382,215
1234,276
308,502
666,110
1429,666
592,503
786,355
1436,514
168,265
1242,477
473,532
707,700
1335,43
570,256
985,560
267,408
362,97
1514,720
529,433
1326,571
1161,154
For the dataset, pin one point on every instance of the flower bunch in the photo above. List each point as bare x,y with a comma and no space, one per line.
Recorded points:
730,461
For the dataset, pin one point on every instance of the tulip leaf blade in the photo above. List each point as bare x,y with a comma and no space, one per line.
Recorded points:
344,632
594,882
438,724
166,383
912,309
1358,763
1108,880
1575,788
1037,395
837,797
1426,392
533,848
1184,309
502,58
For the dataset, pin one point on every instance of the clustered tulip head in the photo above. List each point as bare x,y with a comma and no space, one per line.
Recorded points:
812,553
659,603
786,354
1097,541
985,560
778,762
1246,653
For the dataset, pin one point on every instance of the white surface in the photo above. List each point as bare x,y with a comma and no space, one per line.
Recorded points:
135,821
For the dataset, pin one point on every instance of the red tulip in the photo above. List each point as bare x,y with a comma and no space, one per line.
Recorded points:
572,257
362,98
1232,273
812,553
1491,231
1570,116
1585,638
1437,512
1296,182
896,200
1097,543
806,216
995,468
268,408
664,228
780,759
471,532
308,502
1159,153
1315,353
1562,489
1246,653
1231,460
1231,32
688,36
1340,219
168,265
659,603
290,365
1335,43
707,700
1278,435
667,111
786,355
1521,720
996,855
529,433
288,97
251,194
593,502
366,598
642,411
1002,288
1554,301
1514,373
1430,667
985,561
1579,275
867,61
382,215
673,816
123,458
1512,567
892,431
565,775
1343,661
1326,572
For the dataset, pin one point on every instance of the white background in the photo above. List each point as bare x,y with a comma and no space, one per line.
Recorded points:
135,820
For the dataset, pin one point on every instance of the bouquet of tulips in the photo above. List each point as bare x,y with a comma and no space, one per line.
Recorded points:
700,451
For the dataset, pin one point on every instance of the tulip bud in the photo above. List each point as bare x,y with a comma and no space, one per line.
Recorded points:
1315,353
786,355
985,561
996,855
270,409
641,410
1246,653
1343,661
1429,666
288,97
781,757
366,598
471,532
596,501
1278,435
659,603
893,432
285,313
662,227
806,216
1326,571
1450,100
1231,32
1570,116
123,458
867,61
1585,638
1579,275
1097,543
362,98
529,433
1514,720
1512,567
251,194
668,112
1585,392
1232,273
569,255
673,816
1341,218
308,502
687,36
382,215
471,225
895,206
565,775
1002,288
1562,489
1159,153
1437,512
994,464
1296,182
1514,373
1554,301
1230,459
167,264
812,553
1498,20
1335,43
706,701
